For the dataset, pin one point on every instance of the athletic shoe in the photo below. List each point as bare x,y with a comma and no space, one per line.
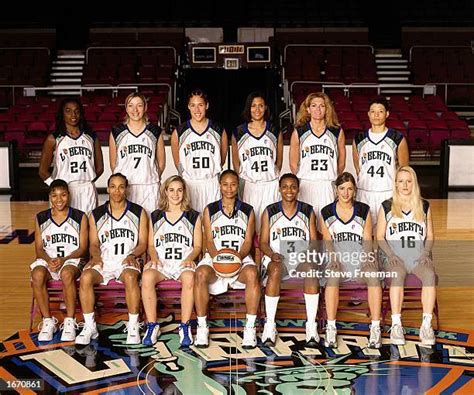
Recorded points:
87,333
427,335
375,339
312,337
250,338
269,333
68,327
47,328
185,335
133,333
397,335
151,334
202,336
330,340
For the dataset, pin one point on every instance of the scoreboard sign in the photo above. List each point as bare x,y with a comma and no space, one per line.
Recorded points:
229,56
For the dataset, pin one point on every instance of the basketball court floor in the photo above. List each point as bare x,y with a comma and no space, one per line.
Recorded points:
109,366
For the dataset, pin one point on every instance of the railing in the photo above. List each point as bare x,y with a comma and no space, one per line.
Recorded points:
437,47
134,48
326,46
12,87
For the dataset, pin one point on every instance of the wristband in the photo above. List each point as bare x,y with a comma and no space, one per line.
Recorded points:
48,181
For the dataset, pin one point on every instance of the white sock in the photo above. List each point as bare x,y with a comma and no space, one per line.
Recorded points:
311,301
375,323
202,321
332,323
396,319
427,319
89,319
132,319
271,305
250,320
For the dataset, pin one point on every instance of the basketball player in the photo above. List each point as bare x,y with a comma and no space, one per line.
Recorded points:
199,148
288,220
257,155
405,234
317,150
375,154
347,229
117,236
60,243
174,243
137,151
228,223
75,153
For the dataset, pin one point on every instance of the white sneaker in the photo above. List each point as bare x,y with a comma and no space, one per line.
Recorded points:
269,333
427,335
250,337
330,340
375,339
133,333
87,333
397,335
47,328
68,327
202,336
312,337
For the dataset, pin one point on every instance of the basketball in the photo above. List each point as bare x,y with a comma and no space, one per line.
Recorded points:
227,262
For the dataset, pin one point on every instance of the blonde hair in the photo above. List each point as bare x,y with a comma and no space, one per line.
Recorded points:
415,201
145,104
163,203
302,117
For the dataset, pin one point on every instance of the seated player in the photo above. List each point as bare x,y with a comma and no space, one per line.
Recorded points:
405,236
60,243
174,243
228,223
346,226
117,236
287,221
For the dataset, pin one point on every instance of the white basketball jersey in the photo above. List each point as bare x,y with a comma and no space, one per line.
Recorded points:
74,157
229,231
283,228
377,161
173,241
349,231
118,237
405,235
60,240
136,155
257,155
199,154
318,155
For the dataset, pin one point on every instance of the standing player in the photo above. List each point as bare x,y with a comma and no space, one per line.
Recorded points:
74,150
347,229
287,221
174,243
117,236
199,148
137,151
257,155
405,235
375,154
60,243
317,150
228,223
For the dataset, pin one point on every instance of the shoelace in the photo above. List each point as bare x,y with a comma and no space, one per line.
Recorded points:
139,324
74,323
394,326
55,322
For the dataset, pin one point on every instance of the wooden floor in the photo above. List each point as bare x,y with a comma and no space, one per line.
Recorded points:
453,254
